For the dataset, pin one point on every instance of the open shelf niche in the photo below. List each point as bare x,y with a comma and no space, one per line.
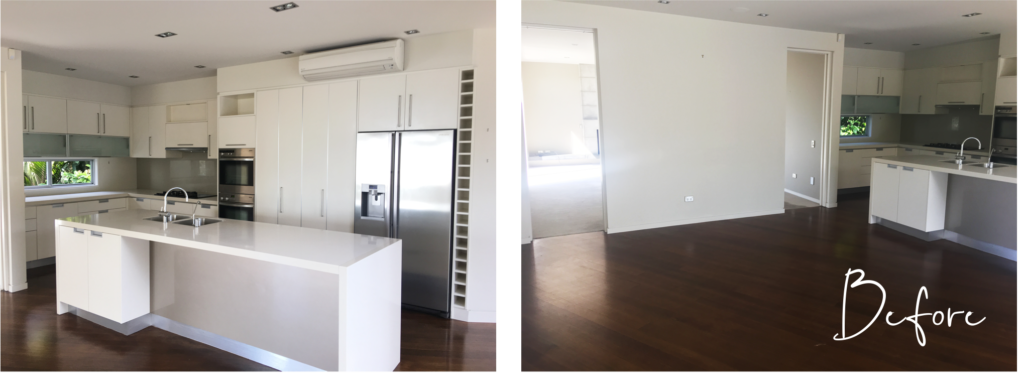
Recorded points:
460,241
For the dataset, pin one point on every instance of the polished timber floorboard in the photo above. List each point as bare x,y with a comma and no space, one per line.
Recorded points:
34,338
762,293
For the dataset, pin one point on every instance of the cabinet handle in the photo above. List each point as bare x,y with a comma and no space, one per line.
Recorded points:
1003,103
908,169
104,200
33,118
919,103
322,201
104,211
410,111
77,230
59,205
890,166
955,102
151,146
97,123
879,149
280,198
95,233
940,153
184,144
882,90
848,150
878,85
209,145
399,111
170,203
24,117
235,145
104,123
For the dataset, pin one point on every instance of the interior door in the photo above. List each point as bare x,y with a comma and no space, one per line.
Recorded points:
424,216
382,103
432,100
314,155
289,166
84,118
267,189
374,158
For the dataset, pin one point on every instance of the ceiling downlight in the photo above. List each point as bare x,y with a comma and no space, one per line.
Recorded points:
71,69
410,32
763,15
287,52
284,7
971,15
166,34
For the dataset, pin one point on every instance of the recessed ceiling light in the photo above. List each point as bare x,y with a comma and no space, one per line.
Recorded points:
410,32
984,33
663,1
915,44
867,43
166,34
200,66
134,77
284,7
71,69
286,52
763,15
971,14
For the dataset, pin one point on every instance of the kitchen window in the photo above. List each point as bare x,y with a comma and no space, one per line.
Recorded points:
855,126
49,173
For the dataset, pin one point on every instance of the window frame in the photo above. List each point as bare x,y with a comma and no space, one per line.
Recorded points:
867,132
49,173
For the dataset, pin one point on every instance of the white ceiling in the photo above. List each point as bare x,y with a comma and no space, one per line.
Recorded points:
888,25
109,40
557,46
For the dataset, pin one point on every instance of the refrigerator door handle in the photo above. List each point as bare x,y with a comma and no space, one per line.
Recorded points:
396,191
409,115
399,114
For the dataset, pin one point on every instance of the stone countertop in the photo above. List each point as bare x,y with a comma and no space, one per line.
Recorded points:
316,249
869,145
87,196
1006,174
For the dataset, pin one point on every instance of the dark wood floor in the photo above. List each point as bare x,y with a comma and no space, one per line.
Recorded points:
762,293
34,338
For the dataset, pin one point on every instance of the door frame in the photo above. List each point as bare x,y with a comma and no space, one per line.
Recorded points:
600,120
826,193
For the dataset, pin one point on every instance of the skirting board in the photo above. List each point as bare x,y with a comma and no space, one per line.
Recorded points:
17,287
474,315
969,242
802,196
41,262
695,220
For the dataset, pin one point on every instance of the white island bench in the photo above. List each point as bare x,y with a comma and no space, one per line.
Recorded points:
288,297
932,198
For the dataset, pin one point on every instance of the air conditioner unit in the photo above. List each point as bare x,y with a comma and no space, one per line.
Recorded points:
381,57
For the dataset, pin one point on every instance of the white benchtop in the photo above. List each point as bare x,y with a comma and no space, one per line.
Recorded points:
1006,174
87,196
870,145
316,249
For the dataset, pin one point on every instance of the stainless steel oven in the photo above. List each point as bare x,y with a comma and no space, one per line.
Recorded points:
1004,134
237,186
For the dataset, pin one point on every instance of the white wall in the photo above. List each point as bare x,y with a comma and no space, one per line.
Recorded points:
553,107
805,83
1008,44
174,92
873,58
970,52
482,299
69,87
524,192
692,107
421,53
12,184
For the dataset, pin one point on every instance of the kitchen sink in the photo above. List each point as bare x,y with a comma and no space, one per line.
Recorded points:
168,218
949,162
983,165
199,221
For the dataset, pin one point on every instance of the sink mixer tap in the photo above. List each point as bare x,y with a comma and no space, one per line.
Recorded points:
163,210
960,157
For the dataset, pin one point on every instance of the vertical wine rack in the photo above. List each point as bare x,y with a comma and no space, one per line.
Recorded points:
462,189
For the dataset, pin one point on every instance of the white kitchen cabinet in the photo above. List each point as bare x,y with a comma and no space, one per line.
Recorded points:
148,132
267,189
47,115
73,267
84,117
158,130
139,203
1006,91
45,228
116,120
101,204
141,139
31,245
207,210
236,132
965,93
988,88
187,135
909,196
869,81
918,95
885,191
432,100
892,82
104,274
855,165
849,80
341,167
211,129
289,166
315,123
381,103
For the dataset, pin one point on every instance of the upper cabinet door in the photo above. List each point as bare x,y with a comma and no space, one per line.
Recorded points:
1006,91
869,81
988,87
382,103
48,115
432,100
141,140
84,118
849,80
892,82
157,126
115,120
267,189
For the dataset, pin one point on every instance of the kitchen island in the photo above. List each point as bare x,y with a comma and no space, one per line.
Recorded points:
932,197
288,297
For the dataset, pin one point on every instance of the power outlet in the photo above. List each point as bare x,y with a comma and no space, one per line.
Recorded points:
794,176
812,180
688,199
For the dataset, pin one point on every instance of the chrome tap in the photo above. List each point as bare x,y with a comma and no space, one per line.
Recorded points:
163,210
960,157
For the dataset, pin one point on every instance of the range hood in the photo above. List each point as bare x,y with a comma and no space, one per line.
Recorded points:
190,149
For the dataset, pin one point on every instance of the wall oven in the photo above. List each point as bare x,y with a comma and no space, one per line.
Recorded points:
237,186
1004,134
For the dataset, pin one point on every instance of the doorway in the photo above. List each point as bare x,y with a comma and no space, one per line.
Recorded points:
807,104
562,131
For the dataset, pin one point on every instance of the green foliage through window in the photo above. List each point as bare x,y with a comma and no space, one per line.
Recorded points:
57,172
853,125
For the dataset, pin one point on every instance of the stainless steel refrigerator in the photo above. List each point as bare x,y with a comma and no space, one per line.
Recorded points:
404,189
